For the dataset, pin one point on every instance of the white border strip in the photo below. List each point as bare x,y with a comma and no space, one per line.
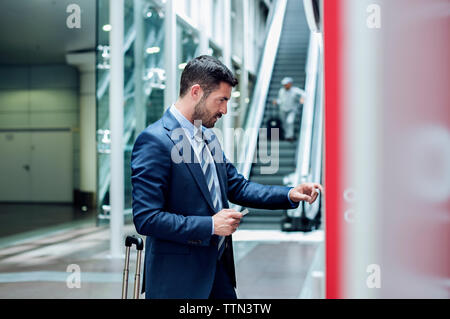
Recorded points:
278,236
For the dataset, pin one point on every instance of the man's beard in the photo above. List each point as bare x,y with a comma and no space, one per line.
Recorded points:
202,114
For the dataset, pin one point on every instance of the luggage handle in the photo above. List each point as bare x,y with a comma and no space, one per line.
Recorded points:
130,241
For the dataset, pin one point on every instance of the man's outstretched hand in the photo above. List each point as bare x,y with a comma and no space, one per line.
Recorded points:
306,191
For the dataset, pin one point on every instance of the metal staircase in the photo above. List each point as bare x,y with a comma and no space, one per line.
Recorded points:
290,61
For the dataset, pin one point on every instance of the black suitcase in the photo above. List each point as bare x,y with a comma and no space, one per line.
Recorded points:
274,122
130,241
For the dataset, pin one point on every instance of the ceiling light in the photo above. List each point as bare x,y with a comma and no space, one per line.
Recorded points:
153,50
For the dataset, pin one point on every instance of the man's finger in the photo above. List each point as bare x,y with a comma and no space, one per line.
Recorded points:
236,215
301,196
314,197
317,185
309,188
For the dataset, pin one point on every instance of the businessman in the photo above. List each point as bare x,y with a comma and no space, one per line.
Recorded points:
182,183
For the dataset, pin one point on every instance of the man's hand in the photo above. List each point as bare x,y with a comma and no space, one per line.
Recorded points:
226,222
274,102
302,100
306,192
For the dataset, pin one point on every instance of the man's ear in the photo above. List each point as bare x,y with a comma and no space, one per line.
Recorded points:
196,92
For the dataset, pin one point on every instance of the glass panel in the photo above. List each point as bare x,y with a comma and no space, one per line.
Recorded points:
187,49
154,75
215,51
102,95
144,82
251,88
129,115
237,27
235,102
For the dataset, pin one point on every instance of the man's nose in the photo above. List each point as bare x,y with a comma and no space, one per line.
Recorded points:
223,110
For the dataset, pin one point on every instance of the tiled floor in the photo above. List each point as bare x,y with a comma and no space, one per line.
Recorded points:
269,264
274,270
19,218
38,269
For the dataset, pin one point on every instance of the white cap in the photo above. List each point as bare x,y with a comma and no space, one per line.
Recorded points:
286,81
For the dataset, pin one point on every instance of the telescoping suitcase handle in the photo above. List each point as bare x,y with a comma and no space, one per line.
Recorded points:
130,241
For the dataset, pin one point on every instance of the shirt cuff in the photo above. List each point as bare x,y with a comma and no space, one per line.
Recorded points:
293,204
212,226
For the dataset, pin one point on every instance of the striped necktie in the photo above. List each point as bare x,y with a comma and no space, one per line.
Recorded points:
207,166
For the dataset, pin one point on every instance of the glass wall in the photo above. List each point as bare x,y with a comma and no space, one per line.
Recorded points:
215,51
187,48
102,96
144,84
145,76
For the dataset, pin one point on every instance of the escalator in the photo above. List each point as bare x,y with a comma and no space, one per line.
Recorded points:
290,61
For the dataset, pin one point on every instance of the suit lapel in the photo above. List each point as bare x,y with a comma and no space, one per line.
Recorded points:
186,153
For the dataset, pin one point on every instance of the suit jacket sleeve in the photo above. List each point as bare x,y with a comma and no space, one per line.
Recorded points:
245,193
150,176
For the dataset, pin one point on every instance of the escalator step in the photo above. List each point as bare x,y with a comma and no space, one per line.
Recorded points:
290,61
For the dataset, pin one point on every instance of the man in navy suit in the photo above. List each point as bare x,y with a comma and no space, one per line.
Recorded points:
182,183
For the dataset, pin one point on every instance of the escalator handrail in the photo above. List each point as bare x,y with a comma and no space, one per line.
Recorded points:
316,167
258,103
309,155
303,156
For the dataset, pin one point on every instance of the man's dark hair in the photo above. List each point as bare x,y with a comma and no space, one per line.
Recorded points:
206,71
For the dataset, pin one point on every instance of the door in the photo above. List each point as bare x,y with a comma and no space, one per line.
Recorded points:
15,160
36,166
51,166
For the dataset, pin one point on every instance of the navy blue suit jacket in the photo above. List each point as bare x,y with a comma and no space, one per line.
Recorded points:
172,207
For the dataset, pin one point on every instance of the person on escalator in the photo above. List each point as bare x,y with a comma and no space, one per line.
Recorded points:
290,100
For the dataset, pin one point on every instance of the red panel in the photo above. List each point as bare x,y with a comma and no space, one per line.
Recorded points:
332,69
